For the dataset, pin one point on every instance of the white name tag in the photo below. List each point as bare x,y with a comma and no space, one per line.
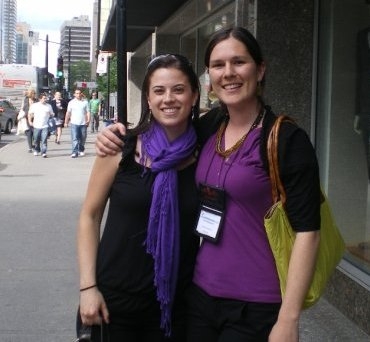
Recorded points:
209,223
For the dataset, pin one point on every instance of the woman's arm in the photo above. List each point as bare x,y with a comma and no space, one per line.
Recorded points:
108,141
300,176
300,273
92,304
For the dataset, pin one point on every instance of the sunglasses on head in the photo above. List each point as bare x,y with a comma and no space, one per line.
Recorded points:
169,56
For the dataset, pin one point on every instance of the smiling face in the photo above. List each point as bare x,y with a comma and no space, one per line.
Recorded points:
170,99
234,74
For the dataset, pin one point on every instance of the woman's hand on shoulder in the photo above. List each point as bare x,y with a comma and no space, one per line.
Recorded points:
108,141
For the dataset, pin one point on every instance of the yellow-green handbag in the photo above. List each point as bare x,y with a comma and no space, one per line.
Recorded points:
281,235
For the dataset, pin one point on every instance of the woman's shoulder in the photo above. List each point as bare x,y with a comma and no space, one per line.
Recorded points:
208,123
288,126
290,134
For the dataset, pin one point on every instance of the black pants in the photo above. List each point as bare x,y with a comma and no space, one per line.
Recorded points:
213,319
134,329
94,122
29,134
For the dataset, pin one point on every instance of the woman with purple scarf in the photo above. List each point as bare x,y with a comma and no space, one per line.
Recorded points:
133,278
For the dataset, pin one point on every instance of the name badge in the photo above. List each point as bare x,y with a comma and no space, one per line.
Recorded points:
211,212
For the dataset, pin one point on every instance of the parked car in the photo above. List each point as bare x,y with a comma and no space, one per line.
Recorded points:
8,116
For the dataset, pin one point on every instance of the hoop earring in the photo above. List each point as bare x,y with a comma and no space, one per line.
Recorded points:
212,96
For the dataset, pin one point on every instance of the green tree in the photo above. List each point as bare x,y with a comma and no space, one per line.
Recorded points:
80,72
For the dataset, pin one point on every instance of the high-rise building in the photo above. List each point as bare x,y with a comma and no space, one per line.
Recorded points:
75,39
8,35
24,47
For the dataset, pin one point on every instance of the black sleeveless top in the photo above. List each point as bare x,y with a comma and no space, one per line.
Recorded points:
124,270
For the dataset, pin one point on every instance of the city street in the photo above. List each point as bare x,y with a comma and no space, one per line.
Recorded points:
40,204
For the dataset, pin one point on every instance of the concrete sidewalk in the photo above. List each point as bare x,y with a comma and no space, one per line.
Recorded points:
40,204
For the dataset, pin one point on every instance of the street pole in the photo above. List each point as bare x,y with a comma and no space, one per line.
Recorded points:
69,60
46,76
121,42
98,31
107,102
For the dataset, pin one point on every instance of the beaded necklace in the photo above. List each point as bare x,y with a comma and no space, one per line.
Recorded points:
235,147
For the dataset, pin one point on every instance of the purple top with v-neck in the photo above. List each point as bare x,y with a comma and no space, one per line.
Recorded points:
240,265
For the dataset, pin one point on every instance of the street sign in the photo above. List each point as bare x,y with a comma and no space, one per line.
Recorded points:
102,65
33,38
90,85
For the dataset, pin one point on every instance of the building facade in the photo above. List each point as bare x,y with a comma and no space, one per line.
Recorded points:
94,39
318,59
8,36
23,47
75,40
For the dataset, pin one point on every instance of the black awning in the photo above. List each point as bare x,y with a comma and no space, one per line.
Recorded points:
143,16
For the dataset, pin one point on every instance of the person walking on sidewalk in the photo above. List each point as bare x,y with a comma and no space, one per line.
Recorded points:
28,100
79,115
95,108
59,106
38,116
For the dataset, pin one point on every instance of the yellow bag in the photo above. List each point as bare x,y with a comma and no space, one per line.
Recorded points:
281,235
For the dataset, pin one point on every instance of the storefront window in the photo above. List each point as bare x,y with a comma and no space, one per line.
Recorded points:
343,121
196,41
199,38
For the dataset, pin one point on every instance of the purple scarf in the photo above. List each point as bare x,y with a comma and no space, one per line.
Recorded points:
162,240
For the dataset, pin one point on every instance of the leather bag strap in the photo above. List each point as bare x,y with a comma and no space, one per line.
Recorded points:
278,192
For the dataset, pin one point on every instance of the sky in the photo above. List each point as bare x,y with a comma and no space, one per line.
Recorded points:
46,17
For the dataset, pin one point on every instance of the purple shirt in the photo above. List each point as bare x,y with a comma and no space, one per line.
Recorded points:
240,265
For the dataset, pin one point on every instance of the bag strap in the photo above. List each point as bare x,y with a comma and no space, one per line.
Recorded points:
278,192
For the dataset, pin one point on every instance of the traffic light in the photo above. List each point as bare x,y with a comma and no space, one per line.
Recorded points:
60,67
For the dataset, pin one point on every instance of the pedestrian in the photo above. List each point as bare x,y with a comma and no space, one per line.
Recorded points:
59,106
95,109
79,115
236,293
38,116
28,100
135,277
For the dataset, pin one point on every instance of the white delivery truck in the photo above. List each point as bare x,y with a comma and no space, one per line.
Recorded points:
16,79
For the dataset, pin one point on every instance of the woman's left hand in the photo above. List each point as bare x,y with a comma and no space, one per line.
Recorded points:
285,331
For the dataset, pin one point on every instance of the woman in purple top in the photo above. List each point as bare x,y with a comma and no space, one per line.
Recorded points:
235,294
